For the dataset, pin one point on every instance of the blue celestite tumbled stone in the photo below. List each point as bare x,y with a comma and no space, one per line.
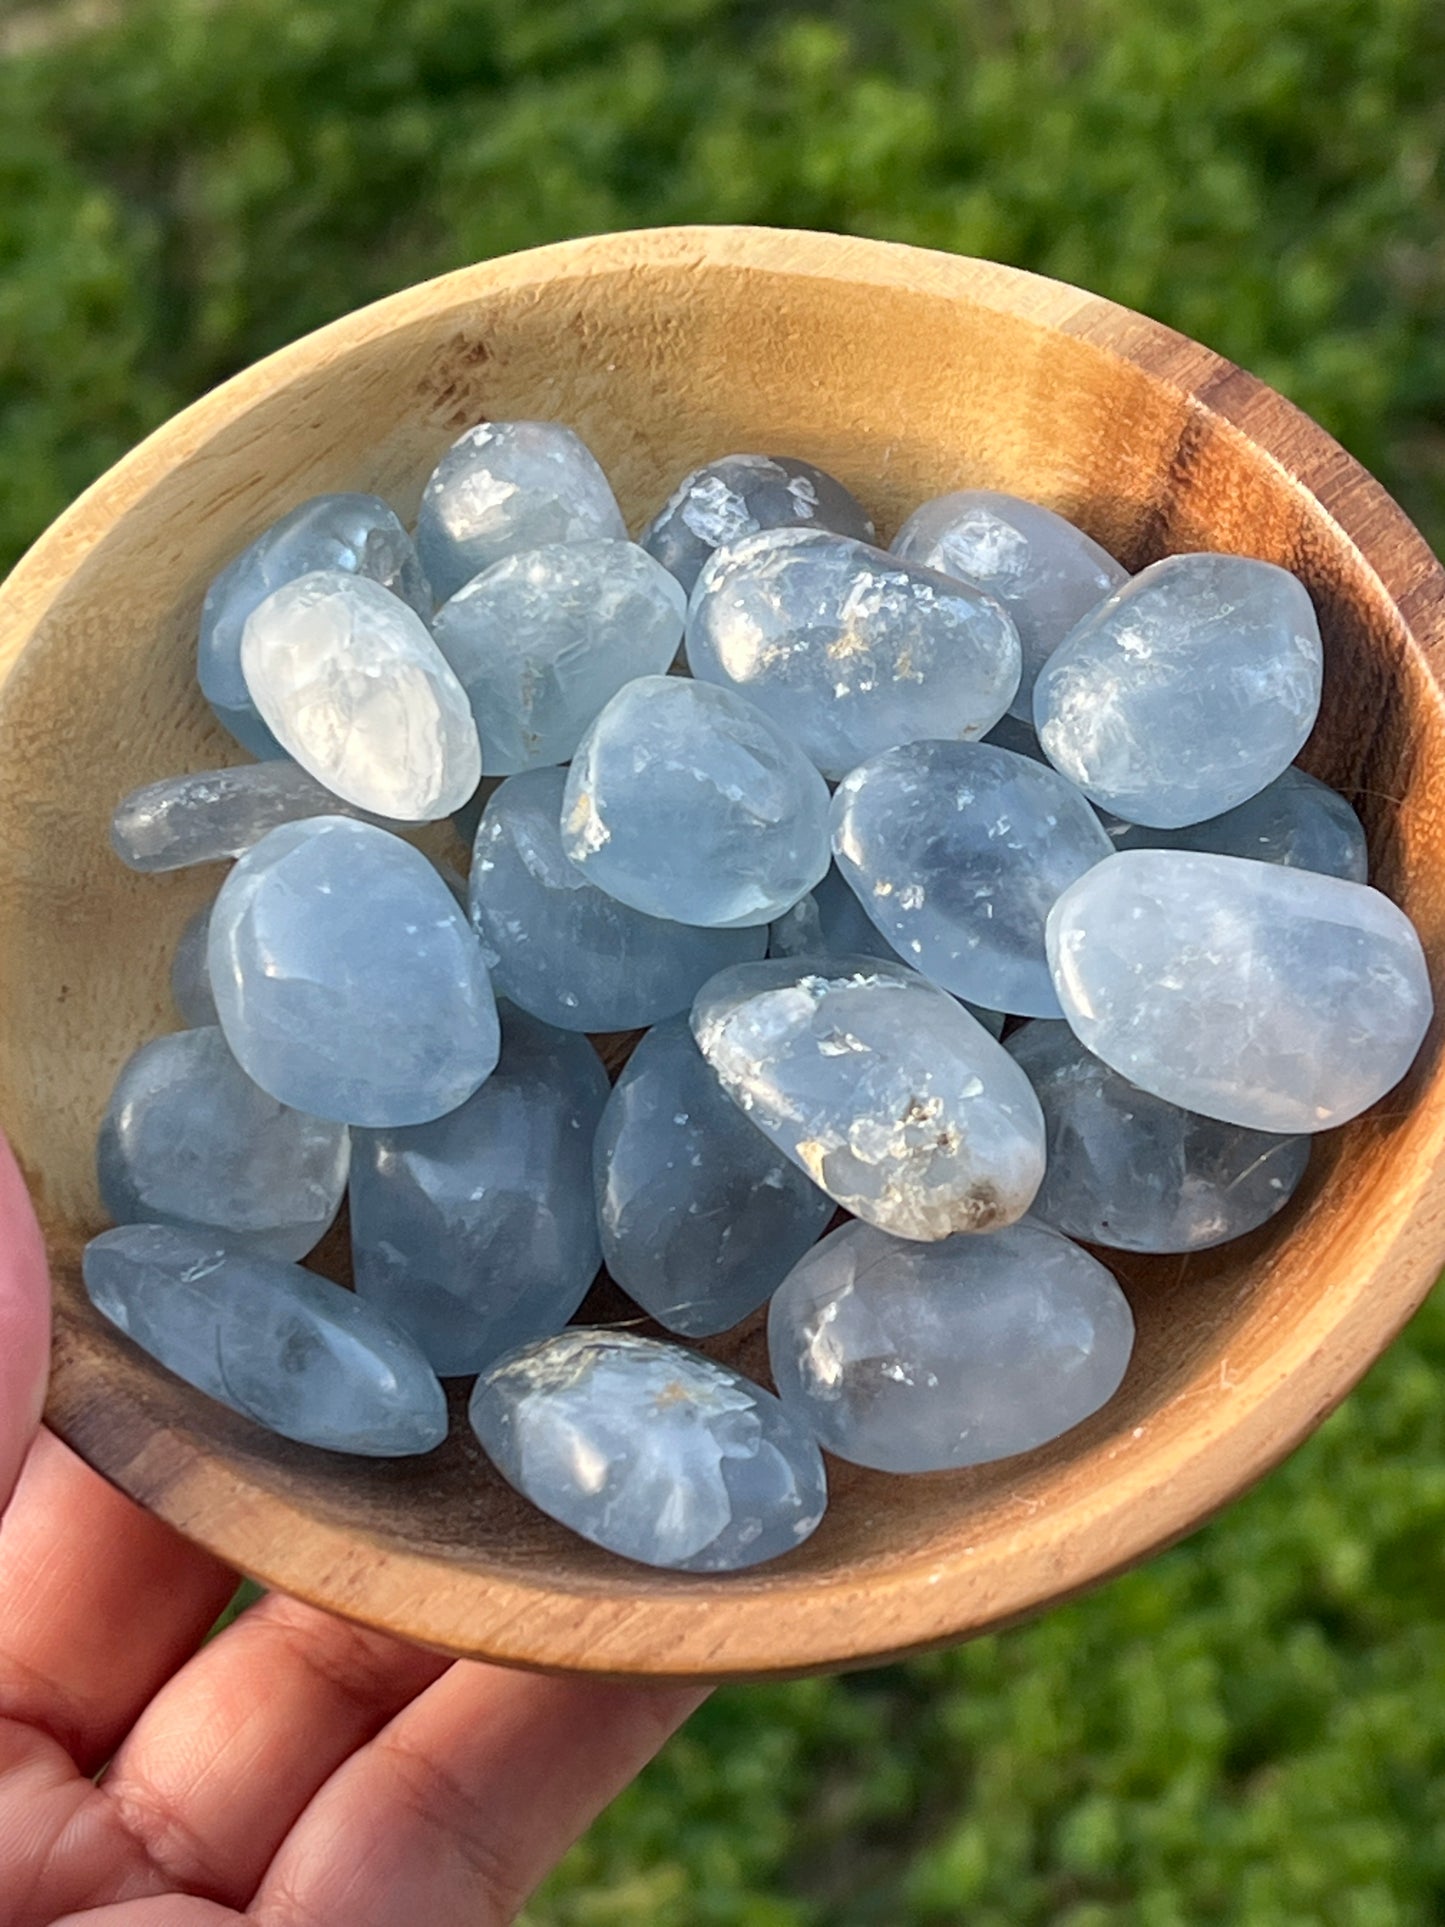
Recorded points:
880,1086
561,948
653,1451
288,1349
505,486
1296,821
848,649
191,972
211,814
1185,692
737,495
188,1139
701,1216
356,533
923,1358
1044,571
542,639
1130,1170
957,851
685,801
347,980
475,1233
1279,999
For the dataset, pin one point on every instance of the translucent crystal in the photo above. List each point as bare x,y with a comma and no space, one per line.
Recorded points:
848,649
957,852
475,1233
1130,1170
650,1450
1269,997
188,1139
738,495
1187,691
701,1216
686,802
542,639
1295,820
560,947
351,683
212,814
191,972
1044,571
288,1349
881,1087
922,1358
347,980
355,533
505,486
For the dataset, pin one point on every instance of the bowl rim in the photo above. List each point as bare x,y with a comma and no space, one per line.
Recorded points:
707,1629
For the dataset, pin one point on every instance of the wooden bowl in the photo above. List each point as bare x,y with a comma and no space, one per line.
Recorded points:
906,373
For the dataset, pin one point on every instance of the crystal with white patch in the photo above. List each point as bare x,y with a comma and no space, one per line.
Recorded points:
881,1087
687,802
738,495
1273,998
1296,821
212,814
925,1358
278,1344
1186,692
655,1452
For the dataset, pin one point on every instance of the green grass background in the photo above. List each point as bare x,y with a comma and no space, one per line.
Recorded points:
1252,1729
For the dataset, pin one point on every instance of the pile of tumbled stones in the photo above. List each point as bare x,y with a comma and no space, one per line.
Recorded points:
1073,951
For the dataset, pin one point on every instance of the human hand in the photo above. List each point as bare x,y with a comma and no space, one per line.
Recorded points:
298,1771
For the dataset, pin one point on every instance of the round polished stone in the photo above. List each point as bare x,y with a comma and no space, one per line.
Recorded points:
738,495
1295,820
208,815
191,971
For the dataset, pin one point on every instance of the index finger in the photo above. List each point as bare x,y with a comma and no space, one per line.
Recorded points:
24,1323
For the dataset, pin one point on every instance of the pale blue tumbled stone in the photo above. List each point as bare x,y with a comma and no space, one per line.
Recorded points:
924,1358
561,948
1046,572
880,1086
208,815
1130,1170
1274,998
957,851
1186,691
1296,821
848,649
356,533
737,495
288,1349
347,980
542,639
701,1216
653,1451
687,802
188,1139
191,972
476,1233
504,486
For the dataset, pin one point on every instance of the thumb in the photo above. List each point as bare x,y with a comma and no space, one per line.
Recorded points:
24,1323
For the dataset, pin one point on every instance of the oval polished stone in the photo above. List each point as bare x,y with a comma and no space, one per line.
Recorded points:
1186,692
650,1450
475,1233
292,1351
188,1139
701,1216
881,1087
191,972
737,495
848,649
1273,998
1129,1170
505,486
1044,571
359,534
957,852
687,803
1296,821
209,815
349,680
347,980
561,948
924,1358
543,639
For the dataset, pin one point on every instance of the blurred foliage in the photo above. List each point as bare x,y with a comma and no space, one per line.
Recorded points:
1251,1730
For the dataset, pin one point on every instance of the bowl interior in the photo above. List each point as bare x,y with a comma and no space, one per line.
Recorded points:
905,374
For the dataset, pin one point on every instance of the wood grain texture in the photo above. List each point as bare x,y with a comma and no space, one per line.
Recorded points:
905,373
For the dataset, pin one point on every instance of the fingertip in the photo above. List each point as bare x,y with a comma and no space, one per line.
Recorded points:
24,1322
